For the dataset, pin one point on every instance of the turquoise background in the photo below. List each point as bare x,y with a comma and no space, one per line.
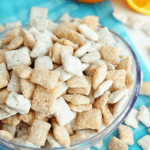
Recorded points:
13,10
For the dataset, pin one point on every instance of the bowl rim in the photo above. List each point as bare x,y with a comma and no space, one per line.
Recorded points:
130,103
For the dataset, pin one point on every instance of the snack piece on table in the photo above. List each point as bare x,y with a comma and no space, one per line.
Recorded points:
144,142
144,116
125,134
131,119
116,144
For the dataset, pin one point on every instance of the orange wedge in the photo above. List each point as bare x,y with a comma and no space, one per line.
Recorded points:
141,6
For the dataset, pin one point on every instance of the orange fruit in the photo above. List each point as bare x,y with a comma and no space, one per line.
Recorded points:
90,1
141,6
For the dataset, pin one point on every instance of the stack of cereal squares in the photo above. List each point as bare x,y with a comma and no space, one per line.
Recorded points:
60,84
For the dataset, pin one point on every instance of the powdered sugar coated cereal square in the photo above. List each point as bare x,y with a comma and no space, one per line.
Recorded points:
20,57
103,88
52,141
105,37
40,24
22,141
82,50
40,49
51,26
71,64
88,32
144,116
63,74
63,113
14,84
8,109
90,57
37,12
18,102
144,142
98,145
117,95
131,119
44,62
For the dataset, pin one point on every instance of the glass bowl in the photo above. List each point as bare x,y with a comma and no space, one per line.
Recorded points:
134,91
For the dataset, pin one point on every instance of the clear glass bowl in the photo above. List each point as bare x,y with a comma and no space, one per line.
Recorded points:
136,74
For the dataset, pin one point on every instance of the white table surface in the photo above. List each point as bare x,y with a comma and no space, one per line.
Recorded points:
141,42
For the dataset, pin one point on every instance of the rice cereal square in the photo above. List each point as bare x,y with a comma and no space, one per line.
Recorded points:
91,21
45,78
3,81
89,119
27,88
110,54
23,71
125,134
38,132
44,100
58,49
116,144
118,78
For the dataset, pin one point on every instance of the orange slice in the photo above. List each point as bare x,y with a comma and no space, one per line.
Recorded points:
141,6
